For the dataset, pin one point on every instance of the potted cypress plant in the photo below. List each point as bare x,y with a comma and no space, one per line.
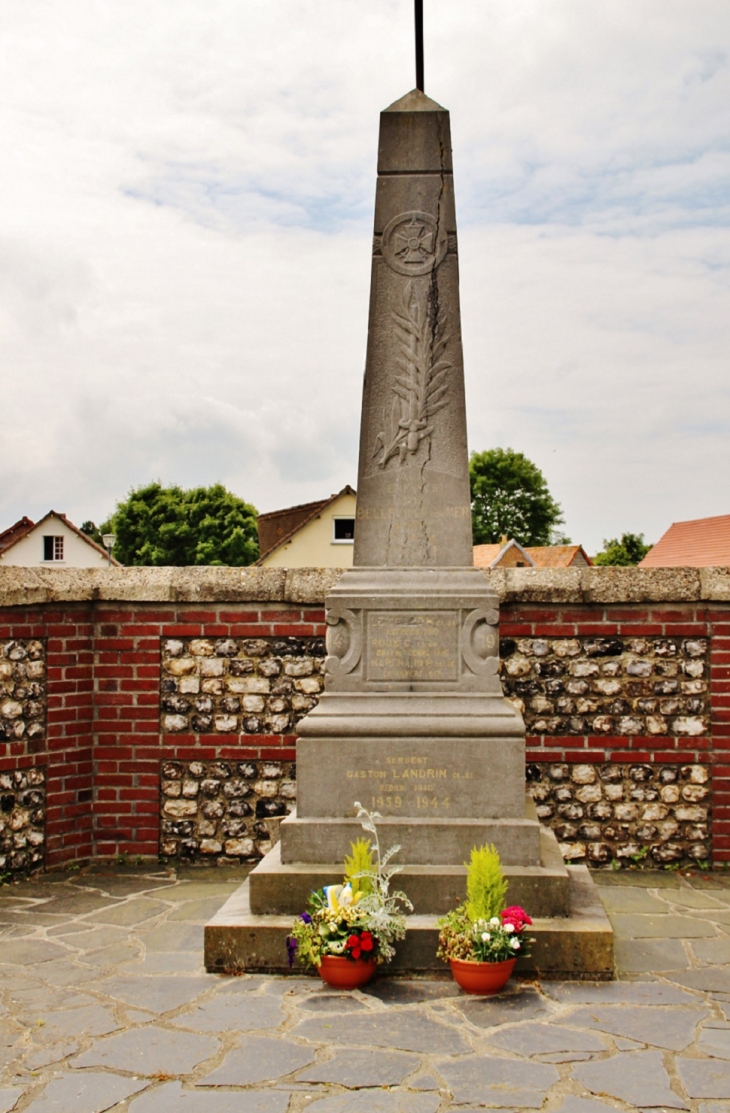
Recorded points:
481,939
349,929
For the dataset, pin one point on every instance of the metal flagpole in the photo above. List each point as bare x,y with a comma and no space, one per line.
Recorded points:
419,44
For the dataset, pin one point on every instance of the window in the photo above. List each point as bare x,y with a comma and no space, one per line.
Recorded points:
344,531
53,548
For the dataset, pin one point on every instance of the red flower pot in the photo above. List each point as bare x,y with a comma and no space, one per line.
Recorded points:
343,973
481,977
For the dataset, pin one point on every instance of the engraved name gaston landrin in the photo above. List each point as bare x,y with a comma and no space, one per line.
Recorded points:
413,245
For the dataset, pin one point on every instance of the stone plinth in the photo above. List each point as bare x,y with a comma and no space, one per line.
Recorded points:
412,724
578,946
432,888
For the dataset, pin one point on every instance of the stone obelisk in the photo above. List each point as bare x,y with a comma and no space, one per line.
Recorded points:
412,722
413,495
413,506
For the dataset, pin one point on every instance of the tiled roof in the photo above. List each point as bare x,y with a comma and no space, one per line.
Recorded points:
699,543
278,526
558,556
541,556
485,554
14,533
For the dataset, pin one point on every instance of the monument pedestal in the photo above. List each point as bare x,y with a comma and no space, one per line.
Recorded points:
413,724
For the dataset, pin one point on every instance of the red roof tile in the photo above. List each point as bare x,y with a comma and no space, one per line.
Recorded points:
278,526
559,556
14,533
542,556
699,543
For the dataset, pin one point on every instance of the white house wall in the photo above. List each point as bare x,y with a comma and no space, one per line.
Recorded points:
28,552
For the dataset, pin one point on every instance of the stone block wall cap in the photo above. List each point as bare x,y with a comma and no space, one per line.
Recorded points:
715,584
38,586
609,585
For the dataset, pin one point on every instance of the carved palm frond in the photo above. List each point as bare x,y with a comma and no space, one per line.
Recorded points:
421,390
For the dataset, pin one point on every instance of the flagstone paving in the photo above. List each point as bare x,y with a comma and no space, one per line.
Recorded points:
104,1005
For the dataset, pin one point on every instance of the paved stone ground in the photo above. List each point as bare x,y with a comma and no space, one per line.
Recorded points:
105,1005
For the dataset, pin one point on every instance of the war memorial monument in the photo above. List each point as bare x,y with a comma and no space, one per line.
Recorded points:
413,722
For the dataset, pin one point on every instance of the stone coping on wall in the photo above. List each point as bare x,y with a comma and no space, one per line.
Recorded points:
37,586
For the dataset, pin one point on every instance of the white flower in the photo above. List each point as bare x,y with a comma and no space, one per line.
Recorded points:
514,944
485,936
494,922
509,928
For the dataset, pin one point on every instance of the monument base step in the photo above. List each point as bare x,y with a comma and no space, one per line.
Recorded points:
278,888
576,946
422,840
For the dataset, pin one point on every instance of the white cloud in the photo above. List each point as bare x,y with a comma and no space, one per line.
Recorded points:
185,238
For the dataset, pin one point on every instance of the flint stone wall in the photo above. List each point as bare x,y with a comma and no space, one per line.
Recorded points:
22,691
608,685
628,814
227,811
223,811
22,821
239,685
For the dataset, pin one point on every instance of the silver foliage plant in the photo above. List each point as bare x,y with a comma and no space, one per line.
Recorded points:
386,911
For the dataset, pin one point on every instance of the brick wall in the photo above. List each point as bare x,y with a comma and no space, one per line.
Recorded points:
133,738
670,673
103,637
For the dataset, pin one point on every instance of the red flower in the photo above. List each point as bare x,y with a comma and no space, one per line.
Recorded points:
353,946
357,945
516,916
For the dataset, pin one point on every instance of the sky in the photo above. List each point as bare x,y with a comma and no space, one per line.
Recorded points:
186,196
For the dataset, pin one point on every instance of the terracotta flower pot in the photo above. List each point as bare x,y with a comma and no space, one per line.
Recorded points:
343,973
481,977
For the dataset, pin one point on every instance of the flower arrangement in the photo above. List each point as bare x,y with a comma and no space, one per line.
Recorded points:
359,919
482,929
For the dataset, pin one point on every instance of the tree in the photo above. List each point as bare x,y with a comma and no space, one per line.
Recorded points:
92,530
629,550
510,497
166,525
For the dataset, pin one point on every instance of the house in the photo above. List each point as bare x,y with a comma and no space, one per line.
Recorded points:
559,556
312,535
54,542
510,554
698,543
505,554
321,535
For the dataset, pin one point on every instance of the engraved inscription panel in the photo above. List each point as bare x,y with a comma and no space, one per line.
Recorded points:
410,784
413,645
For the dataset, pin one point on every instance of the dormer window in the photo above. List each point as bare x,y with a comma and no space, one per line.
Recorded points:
343,531
53,548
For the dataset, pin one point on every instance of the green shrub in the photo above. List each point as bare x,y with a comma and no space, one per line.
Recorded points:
486,887
360,867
